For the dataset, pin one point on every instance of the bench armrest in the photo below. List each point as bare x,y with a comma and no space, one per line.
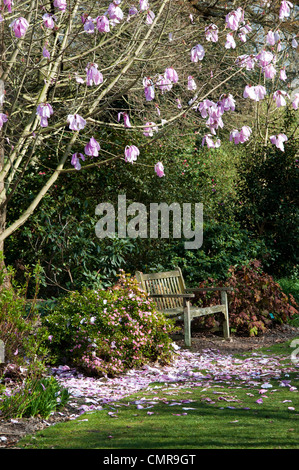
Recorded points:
210,289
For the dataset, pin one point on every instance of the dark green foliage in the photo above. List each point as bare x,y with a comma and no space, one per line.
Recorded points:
37,397
256,303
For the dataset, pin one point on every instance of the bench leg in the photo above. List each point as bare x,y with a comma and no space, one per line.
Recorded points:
224,301
187,324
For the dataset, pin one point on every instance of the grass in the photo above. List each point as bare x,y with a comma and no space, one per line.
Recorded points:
222,416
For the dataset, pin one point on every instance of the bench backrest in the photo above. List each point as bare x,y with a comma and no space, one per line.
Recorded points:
171,282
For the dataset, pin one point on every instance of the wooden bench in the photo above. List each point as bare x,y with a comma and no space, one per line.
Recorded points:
173,299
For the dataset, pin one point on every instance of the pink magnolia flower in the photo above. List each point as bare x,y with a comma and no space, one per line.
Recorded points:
115,12
143,4
164,84
203,107
294,43
133,11
44,111
233,19
179,103
131,153
242,136
227,103
149,129
282,74
149,89
60,4
211,33
171,75
247,61
93,76
3,119
255,93
159,169
92,148
46,53
197,53
295,103
191,83
76,122
230,42
207,139
150,17
264,58
76,160
103,24
126,119
278,140
279,97
49,20
20,26
269,71
88,24
270,38
285,9
8,4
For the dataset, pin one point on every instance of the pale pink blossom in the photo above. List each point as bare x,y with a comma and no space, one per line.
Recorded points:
46,53
279,97
230,42
191,83
233,19
295,102
93,76
76,122
115,12
282,74
211,33
164,84
125,117
150,17
255,93
92,148
270,38
131,153
60,4
197,53
88,24
247,61
227,102
103,24
143,5
149,129
3,119
75,161
8,4
49,20
171,75
242,136
159,169
285,9
265,57
269,71
19,26
207,139
44,111
279,140
133,10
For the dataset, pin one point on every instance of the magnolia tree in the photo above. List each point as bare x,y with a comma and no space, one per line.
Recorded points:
71,70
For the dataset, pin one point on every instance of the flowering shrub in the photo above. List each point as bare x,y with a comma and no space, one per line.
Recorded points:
256,303
109,331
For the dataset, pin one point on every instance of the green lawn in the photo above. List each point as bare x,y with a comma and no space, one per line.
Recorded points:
221,416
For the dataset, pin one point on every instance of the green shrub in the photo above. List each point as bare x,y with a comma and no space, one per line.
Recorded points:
256,303
36,397
108,331
23,339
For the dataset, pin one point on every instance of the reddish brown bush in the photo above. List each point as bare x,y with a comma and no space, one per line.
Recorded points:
256,303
